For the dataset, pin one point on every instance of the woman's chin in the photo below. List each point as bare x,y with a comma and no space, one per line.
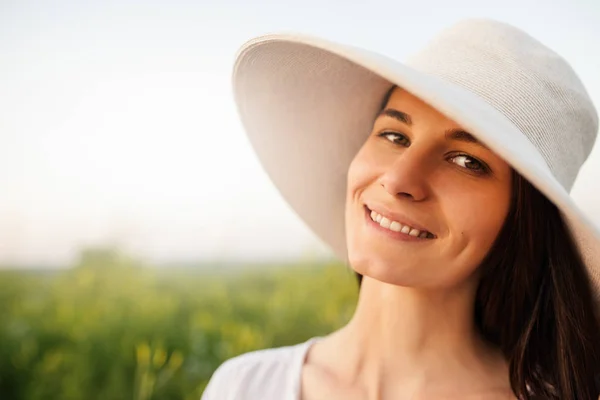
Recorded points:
394,272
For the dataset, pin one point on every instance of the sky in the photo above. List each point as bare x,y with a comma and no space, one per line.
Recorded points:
118,127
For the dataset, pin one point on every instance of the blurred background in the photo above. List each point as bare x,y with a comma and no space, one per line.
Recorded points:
141,244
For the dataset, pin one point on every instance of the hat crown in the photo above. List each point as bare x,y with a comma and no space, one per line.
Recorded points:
531,85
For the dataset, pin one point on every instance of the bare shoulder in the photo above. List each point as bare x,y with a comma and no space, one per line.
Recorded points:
318,384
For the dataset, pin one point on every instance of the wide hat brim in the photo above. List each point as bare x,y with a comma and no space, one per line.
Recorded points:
308,104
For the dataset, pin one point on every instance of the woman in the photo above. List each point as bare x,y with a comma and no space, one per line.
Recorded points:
443,182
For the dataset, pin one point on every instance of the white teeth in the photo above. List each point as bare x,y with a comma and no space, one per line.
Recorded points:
414,232
385,222
397,227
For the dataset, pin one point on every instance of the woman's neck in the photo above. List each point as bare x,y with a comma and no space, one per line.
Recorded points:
404,338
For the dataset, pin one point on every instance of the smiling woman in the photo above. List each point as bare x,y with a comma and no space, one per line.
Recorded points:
444,183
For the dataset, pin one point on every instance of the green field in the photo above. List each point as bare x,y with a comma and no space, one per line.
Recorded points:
111,328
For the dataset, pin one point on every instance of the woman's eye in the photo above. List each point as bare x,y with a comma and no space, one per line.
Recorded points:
395,138
470,163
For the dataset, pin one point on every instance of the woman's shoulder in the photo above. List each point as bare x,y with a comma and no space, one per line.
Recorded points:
255,361
272,373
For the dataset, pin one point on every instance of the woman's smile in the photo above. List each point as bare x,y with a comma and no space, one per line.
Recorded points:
395,229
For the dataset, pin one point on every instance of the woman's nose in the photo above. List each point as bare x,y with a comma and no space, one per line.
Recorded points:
407,175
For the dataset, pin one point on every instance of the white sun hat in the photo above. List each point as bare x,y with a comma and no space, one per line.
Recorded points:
308,104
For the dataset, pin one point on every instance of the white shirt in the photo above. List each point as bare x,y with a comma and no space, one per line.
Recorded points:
271,374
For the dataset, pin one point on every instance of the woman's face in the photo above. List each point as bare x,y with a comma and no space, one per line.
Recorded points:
418,172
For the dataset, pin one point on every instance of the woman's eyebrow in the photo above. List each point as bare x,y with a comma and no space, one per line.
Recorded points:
396,114
462,136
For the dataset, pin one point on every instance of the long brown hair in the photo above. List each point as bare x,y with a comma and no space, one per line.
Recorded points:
535,301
